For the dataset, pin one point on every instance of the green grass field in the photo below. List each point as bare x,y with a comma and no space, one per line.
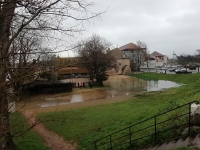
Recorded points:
87,124
28,141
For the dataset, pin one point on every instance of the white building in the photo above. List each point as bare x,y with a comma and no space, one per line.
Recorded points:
154,60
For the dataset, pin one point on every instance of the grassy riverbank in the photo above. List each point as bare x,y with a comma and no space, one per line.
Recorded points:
27,141
87,124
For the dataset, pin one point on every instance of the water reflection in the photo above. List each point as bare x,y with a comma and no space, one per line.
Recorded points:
76,99
125,83
118,87
160,85
50,104
62,100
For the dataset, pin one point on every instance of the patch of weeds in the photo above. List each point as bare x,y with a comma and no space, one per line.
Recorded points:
138,95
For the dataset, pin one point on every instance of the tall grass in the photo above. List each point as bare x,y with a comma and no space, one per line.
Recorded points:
88,124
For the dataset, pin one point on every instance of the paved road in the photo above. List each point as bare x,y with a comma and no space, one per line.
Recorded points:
158,70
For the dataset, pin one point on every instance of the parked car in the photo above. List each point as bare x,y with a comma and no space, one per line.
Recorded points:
163,70
172,70
182,71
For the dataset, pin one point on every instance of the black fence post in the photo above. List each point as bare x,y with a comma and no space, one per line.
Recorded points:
155,128
154,133
95,145
110,142
189,119
130,134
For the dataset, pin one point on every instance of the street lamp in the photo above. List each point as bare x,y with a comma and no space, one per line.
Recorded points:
71,69
70,66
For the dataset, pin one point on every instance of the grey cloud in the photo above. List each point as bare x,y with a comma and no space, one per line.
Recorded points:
165,25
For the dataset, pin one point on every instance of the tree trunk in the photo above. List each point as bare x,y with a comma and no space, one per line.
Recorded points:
6,14
6,142
100,82
138,68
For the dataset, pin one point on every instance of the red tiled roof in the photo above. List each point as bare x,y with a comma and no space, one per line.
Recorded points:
129,46
156,54
69,70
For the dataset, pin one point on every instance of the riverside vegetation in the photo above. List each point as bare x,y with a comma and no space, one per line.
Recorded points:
88,124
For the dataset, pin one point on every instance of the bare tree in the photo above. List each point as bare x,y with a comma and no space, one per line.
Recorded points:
191,61
142,44
94,56
139,54
184,59
17,16
22,64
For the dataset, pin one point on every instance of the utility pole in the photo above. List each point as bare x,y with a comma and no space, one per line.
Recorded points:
70,66
174,54
147,58
198,55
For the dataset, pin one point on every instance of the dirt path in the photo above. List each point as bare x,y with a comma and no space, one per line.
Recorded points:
52,140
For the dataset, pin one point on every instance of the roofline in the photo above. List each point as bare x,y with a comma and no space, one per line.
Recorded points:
133,49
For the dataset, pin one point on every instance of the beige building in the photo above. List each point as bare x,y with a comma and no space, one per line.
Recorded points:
123,62
155,59
135,53
160,58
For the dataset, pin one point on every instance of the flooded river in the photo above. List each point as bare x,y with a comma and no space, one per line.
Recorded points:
116,87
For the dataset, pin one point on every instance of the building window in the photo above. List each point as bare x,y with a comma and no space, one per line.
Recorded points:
119,64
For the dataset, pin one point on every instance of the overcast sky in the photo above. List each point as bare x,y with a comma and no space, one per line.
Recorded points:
166,26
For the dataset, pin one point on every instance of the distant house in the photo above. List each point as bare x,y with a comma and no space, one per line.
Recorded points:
150,62
71,72
67,67
159,57
123,62
155,59
129,47
63,62
135,53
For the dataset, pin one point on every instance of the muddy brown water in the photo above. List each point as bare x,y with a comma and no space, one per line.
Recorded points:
116,88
